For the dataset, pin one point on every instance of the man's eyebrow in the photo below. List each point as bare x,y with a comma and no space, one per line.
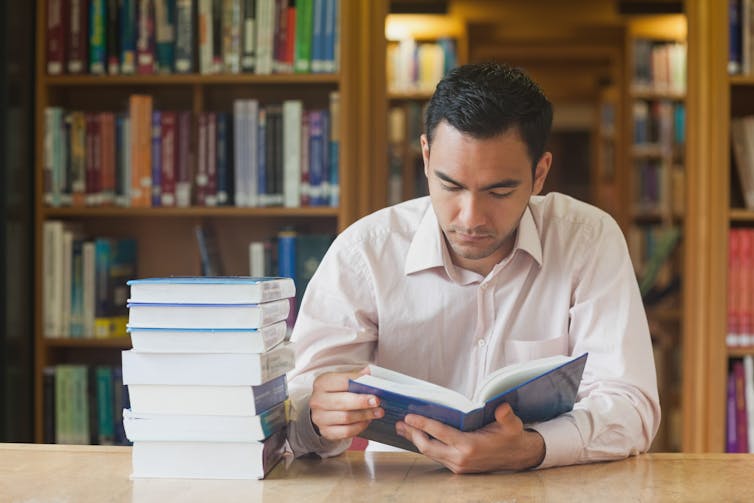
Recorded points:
503,184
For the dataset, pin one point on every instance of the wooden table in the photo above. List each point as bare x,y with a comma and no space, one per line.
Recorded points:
59,473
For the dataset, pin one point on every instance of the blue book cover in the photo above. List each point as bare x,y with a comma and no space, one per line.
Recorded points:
127,21
156,158
537,390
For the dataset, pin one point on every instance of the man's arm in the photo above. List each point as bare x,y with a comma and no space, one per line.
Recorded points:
335,335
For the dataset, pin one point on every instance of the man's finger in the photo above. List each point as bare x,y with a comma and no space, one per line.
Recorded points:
343,401
442,432
506,418
337,381
343,417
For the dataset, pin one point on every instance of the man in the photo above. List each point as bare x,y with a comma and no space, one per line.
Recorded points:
481,274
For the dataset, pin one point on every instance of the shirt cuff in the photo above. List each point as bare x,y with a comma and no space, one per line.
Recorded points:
563,444
303,439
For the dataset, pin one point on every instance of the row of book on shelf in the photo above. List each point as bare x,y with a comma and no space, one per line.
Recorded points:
740,406
85,277
650,248
84,280
413,66
206,376
258,155
405,125
659,122
740,331
185,36
659,66
658,187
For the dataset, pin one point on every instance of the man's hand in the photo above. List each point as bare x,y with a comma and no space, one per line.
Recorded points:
502,445
338,414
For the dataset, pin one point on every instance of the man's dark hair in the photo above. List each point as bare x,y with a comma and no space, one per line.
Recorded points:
484,100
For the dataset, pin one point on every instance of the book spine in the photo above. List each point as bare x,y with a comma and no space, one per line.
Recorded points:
211,192
201,180
97,42
113,38
108,155
102,259
217,36
183,156
145,43
334,150
127,19
280,36
77,147
205,37
223,165
55,37
261,156
265,35
106,421
303,50
77,41
231,26
316,157
292,112
89,288
184,37
156,139
305,187
164,12
742,435
168,151
249,35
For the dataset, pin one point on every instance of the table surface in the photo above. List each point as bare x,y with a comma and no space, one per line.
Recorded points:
62,473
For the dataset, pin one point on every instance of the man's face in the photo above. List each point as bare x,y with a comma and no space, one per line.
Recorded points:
479,191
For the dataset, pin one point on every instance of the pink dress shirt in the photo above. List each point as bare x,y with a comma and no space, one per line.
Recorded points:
387,292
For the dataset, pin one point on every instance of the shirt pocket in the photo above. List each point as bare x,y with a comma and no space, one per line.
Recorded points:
525,350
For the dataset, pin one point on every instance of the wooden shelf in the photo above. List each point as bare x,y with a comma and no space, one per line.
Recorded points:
409,95
739,352
219,211
742,80
650,151
741,215
641,93
68,342
187,79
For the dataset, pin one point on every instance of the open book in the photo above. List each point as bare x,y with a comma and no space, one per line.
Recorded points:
536,390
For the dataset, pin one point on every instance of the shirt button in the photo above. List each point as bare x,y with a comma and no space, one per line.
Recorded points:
483,286
481,343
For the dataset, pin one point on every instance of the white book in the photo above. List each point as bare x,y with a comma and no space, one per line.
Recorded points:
207,316
207,460
292,113
206,63
214,428
52,291
207,400
240,137
67,260
251,163
749,392
211,289
265,36
221,369
167,340
256,258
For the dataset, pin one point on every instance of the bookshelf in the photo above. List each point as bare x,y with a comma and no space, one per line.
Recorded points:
421,48
655,111
708,218
165,235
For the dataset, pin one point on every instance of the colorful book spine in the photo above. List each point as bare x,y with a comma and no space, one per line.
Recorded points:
303,45
249,36
77,37
127,20
55,37
183,160
334,150
224,171
168,161
165,17
184,37
112,38
231,26
145,39
156,139
206,65
97,42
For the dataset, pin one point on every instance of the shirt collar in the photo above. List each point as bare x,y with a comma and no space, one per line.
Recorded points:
428,248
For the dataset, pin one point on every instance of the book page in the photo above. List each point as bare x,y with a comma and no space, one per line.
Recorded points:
405,385
518,373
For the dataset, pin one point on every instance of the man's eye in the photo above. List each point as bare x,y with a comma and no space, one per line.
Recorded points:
450,188
498,195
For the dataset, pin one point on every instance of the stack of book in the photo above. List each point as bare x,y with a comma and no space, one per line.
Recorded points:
207,376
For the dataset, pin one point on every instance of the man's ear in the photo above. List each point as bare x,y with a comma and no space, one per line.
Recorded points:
540,172
425,153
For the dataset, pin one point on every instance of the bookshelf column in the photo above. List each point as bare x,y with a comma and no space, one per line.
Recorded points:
706,228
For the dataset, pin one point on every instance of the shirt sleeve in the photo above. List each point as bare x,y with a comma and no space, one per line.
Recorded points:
617,413
335,331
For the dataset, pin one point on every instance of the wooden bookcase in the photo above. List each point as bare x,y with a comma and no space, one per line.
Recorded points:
166,242
708,219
